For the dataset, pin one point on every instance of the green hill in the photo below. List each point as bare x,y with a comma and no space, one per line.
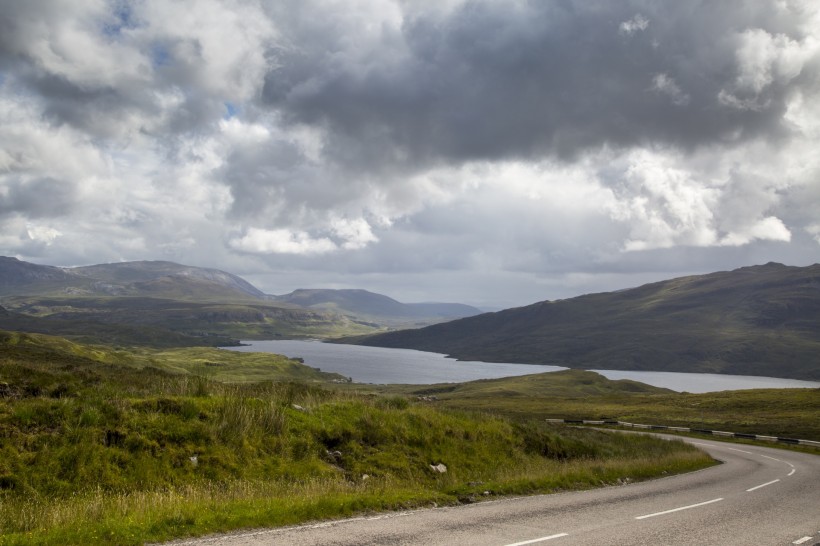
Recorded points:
169,322
580,394
760,320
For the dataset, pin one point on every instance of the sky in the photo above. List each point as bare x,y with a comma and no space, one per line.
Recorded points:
495,153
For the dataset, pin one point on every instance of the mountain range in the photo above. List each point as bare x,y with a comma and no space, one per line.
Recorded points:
759,320
378,307
144,279
159,301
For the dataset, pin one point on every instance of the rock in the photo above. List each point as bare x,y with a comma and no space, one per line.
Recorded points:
297,407
365,477
194,460
335,456
441,468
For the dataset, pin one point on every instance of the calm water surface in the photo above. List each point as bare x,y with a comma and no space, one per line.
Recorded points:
381,366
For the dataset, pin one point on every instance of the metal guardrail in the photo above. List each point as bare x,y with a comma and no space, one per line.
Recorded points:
793,441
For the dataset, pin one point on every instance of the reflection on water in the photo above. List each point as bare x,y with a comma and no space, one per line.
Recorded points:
381,366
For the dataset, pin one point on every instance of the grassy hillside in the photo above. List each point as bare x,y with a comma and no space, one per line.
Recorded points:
101,446
577,394
63,361
759,320
82,329
78,315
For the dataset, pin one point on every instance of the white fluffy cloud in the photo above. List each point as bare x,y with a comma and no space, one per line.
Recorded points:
664,84
636,24
281,241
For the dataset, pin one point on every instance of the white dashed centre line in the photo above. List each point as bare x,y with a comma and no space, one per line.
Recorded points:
742,451
762,485
772,458
792,472
542,539
678,509
801,540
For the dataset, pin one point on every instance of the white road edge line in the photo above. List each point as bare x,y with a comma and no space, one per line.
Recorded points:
542,539
678,509
801,540
762,485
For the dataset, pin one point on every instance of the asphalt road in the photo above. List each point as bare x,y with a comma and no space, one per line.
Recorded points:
759,496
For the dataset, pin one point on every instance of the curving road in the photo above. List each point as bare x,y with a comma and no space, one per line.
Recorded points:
760,496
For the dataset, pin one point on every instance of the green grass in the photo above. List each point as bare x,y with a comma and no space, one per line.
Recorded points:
166,322
576,394
103,446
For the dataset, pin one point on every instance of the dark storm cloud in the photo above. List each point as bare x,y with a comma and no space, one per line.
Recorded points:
38,198
495,80
473,149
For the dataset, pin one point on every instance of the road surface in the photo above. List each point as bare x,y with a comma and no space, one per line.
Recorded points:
760,496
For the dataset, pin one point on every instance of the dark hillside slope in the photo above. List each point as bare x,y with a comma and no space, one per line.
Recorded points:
18,277
149,279
760,320
158,278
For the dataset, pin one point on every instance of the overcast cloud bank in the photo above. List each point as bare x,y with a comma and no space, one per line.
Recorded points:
495,153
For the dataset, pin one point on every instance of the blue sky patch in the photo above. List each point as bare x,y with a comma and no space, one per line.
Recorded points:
231,110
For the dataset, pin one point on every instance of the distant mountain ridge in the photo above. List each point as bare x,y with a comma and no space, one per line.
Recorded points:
759,320
157,277
144,278
209,302
368,304
16,274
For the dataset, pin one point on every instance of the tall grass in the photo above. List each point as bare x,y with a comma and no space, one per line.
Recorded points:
260,461
118,455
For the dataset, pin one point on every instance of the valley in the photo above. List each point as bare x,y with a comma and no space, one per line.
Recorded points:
121,422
